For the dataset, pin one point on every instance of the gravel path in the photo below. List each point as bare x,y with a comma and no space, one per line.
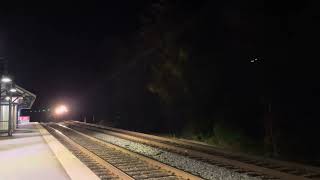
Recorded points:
195,167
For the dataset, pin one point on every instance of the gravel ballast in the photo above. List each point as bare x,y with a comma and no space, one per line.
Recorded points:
202,169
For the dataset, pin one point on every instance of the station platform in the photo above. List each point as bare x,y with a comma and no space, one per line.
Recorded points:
32,153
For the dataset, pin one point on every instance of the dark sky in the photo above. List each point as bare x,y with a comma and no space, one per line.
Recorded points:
56,50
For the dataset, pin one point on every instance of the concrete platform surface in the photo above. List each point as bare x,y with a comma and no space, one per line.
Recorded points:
27,155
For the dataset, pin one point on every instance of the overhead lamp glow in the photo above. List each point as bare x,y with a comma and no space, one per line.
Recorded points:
13,90
6,79
7,98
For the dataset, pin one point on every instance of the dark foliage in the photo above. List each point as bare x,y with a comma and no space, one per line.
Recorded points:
250,68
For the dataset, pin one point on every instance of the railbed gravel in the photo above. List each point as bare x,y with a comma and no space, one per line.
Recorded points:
202,169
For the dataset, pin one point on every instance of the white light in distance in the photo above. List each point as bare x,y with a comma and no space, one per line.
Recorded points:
61,110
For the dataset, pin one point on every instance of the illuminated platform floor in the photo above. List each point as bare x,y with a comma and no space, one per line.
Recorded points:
29,154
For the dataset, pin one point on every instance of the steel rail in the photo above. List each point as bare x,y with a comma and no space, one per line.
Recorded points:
152,162
93,156
200,152
170,170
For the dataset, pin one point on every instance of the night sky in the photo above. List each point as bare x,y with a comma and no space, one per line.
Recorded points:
57,50
63,52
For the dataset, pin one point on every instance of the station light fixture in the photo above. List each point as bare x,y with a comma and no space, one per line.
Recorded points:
13,90
7,98
6,79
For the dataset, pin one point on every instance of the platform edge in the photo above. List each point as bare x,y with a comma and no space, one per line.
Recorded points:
75,169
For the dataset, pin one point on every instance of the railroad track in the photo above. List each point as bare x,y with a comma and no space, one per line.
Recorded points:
111,162
253,166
